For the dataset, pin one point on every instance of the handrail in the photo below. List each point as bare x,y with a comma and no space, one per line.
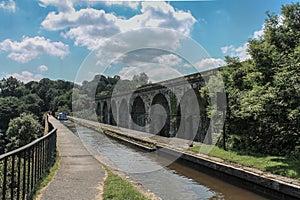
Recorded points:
27,145
22,169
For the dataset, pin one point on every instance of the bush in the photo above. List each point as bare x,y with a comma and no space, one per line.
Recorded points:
23,130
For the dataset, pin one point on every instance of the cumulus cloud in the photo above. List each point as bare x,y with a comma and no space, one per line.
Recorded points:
83,17
9,5
90,26
131,4
26,76
209,63
68,5
240,51
62,5
129,72
142,46
30,48
156,73
168,60
43,68
159,14
258,34
163,73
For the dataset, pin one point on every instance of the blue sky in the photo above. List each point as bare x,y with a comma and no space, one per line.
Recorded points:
52,38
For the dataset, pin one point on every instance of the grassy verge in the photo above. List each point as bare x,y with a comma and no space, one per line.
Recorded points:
119,189
273,164
47,179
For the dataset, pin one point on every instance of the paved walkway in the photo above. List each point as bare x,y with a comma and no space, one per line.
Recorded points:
80,176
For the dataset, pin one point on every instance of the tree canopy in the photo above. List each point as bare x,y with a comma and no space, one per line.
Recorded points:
264,91
23,130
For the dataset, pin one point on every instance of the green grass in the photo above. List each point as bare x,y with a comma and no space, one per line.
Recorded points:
119,189
47,179
274,164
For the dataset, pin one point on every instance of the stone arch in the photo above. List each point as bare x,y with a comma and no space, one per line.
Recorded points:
98,109
123,114
138,114
192,116
105,113
113,113
160,116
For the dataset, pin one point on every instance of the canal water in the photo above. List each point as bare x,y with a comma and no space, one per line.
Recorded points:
172,182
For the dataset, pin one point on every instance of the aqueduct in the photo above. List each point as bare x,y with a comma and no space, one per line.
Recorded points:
172,108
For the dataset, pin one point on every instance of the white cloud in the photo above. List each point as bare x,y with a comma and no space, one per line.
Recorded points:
258,34
168,60
68,5
163,73
240,51
155,72
26,76
139,41
209,63
62,5
129,72
30,48
89,26
159,14
83,17
43,68
131,4
9,5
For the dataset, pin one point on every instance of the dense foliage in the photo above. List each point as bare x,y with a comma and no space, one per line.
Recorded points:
22,107
264,92
22,130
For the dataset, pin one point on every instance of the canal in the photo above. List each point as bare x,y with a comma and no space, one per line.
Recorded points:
175,181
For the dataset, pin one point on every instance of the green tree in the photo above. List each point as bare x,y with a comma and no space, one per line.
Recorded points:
10,107
32,103
11,87
2,143
141,79
23,130
264,92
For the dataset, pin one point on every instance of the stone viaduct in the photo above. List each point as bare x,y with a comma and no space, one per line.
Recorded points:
172,108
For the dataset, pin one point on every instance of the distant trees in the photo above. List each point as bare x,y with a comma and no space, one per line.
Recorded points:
10,107
22,107
141,79
48,90
11,87
102,86
32,103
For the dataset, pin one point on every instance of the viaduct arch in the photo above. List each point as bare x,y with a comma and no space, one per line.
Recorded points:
154,109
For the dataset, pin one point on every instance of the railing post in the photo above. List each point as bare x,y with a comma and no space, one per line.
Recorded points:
12,180
23,168
4,179
24,175
28,170
19,176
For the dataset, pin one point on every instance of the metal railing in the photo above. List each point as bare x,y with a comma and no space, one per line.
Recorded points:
22,169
